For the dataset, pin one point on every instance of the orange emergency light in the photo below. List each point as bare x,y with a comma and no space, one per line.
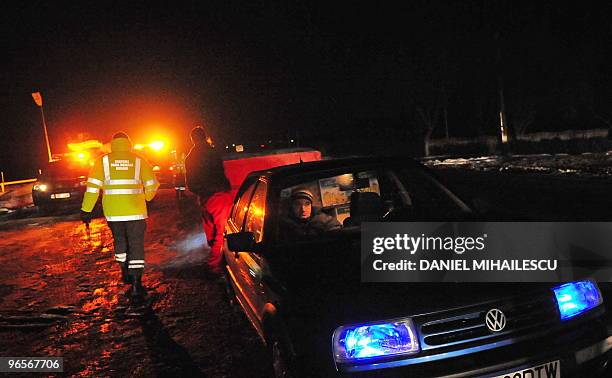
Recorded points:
157,145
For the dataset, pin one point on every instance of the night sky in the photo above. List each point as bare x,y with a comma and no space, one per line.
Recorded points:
251,71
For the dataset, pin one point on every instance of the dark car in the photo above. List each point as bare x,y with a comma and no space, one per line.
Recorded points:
164,174
305,298
61,184
162,162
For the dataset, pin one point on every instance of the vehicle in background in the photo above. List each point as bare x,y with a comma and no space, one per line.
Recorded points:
61,184
304,296
163,173
162,160
178,175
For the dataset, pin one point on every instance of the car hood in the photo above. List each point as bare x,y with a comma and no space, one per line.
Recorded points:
361,302
324,278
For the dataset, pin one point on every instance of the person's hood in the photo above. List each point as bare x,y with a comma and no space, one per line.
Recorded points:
121,144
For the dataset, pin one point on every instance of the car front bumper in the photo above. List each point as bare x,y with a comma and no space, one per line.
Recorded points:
582,347
583,351
52,198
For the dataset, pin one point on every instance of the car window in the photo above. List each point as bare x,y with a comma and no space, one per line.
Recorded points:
241,206
331,195
257,212
381,194
428,195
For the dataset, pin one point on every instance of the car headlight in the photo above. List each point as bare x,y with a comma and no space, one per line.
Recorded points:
375,340
575,298
40,187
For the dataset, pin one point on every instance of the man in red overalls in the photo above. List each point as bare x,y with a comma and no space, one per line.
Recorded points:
205,177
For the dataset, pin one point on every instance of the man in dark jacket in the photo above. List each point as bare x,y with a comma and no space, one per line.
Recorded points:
205,177
305,219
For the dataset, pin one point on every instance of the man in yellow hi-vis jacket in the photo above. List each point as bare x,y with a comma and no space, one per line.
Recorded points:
126,181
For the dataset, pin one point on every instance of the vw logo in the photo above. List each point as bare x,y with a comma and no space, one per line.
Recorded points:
495,320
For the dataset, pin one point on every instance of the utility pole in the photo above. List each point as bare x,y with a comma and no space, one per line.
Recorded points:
502,112
503,126
445,109
38,100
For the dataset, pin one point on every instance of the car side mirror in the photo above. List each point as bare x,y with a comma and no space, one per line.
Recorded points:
241,242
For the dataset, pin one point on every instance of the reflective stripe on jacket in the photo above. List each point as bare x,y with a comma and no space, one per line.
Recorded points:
125,180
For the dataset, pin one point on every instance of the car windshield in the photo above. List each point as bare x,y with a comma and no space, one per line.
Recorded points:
65,169
332,203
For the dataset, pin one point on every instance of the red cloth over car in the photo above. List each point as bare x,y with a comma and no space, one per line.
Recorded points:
236,170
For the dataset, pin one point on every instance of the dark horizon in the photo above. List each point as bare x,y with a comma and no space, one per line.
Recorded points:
250,72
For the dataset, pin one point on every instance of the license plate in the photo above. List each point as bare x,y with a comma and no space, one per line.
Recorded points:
547,370
60,195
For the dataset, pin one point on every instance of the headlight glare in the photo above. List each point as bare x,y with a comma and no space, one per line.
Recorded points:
575,298
375,340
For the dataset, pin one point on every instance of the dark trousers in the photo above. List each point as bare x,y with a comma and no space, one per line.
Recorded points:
129,243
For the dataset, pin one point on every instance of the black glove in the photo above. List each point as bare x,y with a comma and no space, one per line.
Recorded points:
86,216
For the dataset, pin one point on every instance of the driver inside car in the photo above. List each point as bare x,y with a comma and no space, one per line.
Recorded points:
304,219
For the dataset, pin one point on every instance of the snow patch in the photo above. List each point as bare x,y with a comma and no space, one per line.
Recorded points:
585,164
16,197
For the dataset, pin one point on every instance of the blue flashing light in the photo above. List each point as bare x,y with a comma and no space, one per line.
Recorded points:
575,298
375,340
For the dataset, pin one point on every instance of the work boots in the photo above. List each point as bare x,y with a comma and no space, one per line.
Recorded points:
125,276
137,291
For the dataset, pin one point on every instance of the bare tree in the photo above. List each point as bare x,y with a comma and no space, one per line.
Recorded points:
606,119
428,108
428,96
521,116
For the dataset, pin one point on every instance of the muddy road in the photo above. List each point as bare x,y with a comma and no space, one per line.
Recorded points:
61,295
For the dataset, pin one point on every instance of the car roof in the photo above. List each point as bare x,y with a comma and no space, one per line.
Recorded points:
65,164
286,171
267,152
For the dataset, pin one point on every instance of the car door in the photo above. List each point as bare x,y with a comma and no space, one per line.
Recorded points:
250,263
235,224
248,214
